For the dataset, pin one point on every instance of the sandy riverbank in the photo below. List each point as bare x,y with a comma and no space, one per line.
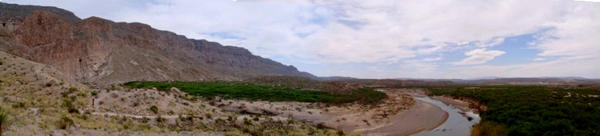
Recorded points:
399,114
421,116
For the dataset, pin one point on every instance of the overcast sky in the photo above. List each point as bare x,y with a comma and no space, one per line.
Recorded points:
383,38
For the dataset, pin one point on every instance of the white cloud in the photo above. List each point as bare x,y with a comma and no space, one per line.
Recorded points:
589,0
490,43
389,33
479,56
432,59
539,59
576,36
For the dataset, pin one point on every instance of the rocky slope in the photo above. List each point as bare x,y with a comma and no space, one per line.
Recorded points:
102,52
39,100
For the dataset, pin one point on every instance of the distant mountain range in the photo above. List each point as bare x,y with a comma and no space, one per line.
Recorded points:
532,80
103,52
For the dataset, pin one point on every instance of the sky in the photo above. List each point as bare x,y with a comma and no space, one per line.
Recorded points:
442,39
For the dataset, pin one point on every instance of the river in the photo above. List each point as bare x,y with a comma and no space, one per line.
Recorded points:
457,124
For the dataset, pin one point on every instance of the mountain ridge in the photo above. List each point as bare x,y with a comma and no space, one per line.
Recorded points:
103,52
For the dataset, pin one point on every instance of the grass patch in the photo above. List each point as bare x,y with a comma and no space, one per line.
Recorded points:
3,119
532,110
238,90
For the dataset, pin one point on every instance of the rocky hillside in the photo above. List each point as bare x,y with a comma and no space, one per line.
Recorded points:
37,100
102,52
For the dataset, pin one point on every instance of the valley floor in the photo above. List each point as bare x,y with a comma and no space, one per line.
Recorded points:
38,100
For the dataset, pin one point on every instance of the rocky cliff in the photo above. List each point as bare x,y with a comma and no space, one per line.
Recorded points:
103,52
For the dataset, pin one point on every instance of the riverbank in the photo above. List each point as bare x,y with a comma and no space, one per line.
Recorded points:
421,116
465,105
399,114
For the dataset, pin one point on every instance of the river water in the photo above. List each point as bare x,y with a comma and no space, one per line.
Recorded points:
457,124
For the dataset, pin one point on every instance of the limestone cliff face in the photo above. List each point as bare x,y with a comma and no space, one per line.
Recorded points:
103,52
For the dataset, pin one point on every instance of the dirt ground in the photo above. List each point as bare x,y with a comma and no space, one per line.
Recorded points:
399,114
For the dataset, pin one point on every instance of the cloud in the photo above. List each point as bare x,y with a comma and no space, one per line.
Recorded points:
539,59
402,37
490,43
479,56
432,59
589,0
336,31
575,36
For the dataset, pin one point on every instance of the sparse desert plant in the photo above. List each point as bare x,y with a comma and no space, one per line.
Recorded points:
3,119
145,120
231,119
154,109
219,121
94,93
65,122
68,103
19,105
71,90
160,119
235,133
247,121
208,116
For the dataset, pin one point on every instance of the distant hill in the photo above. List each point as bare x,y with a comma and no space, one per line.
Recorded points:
103,52
335,78
531,81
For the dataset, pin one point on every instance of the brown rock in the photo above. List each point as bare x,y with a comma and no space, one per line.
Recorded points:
103,52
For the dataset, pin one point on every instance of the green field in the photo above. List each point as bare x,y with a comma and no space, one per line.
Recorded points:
532,110
239,90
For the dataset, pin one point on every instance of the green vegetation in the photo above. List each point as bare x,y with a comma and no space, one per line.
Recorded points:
65,122
94,93
488,128
3,118
532,110
251,91
154,109
68,104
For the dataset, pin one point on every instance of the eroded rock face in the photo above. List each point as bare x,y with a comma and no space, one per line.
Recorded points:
103,52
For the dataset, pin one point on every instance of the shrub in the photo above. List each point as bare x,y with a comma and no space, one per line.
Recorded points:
160,119
154,109
65,122
247,121
94,93
68,104
3,120
19,105
71,90
231,119
145,120
208,116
